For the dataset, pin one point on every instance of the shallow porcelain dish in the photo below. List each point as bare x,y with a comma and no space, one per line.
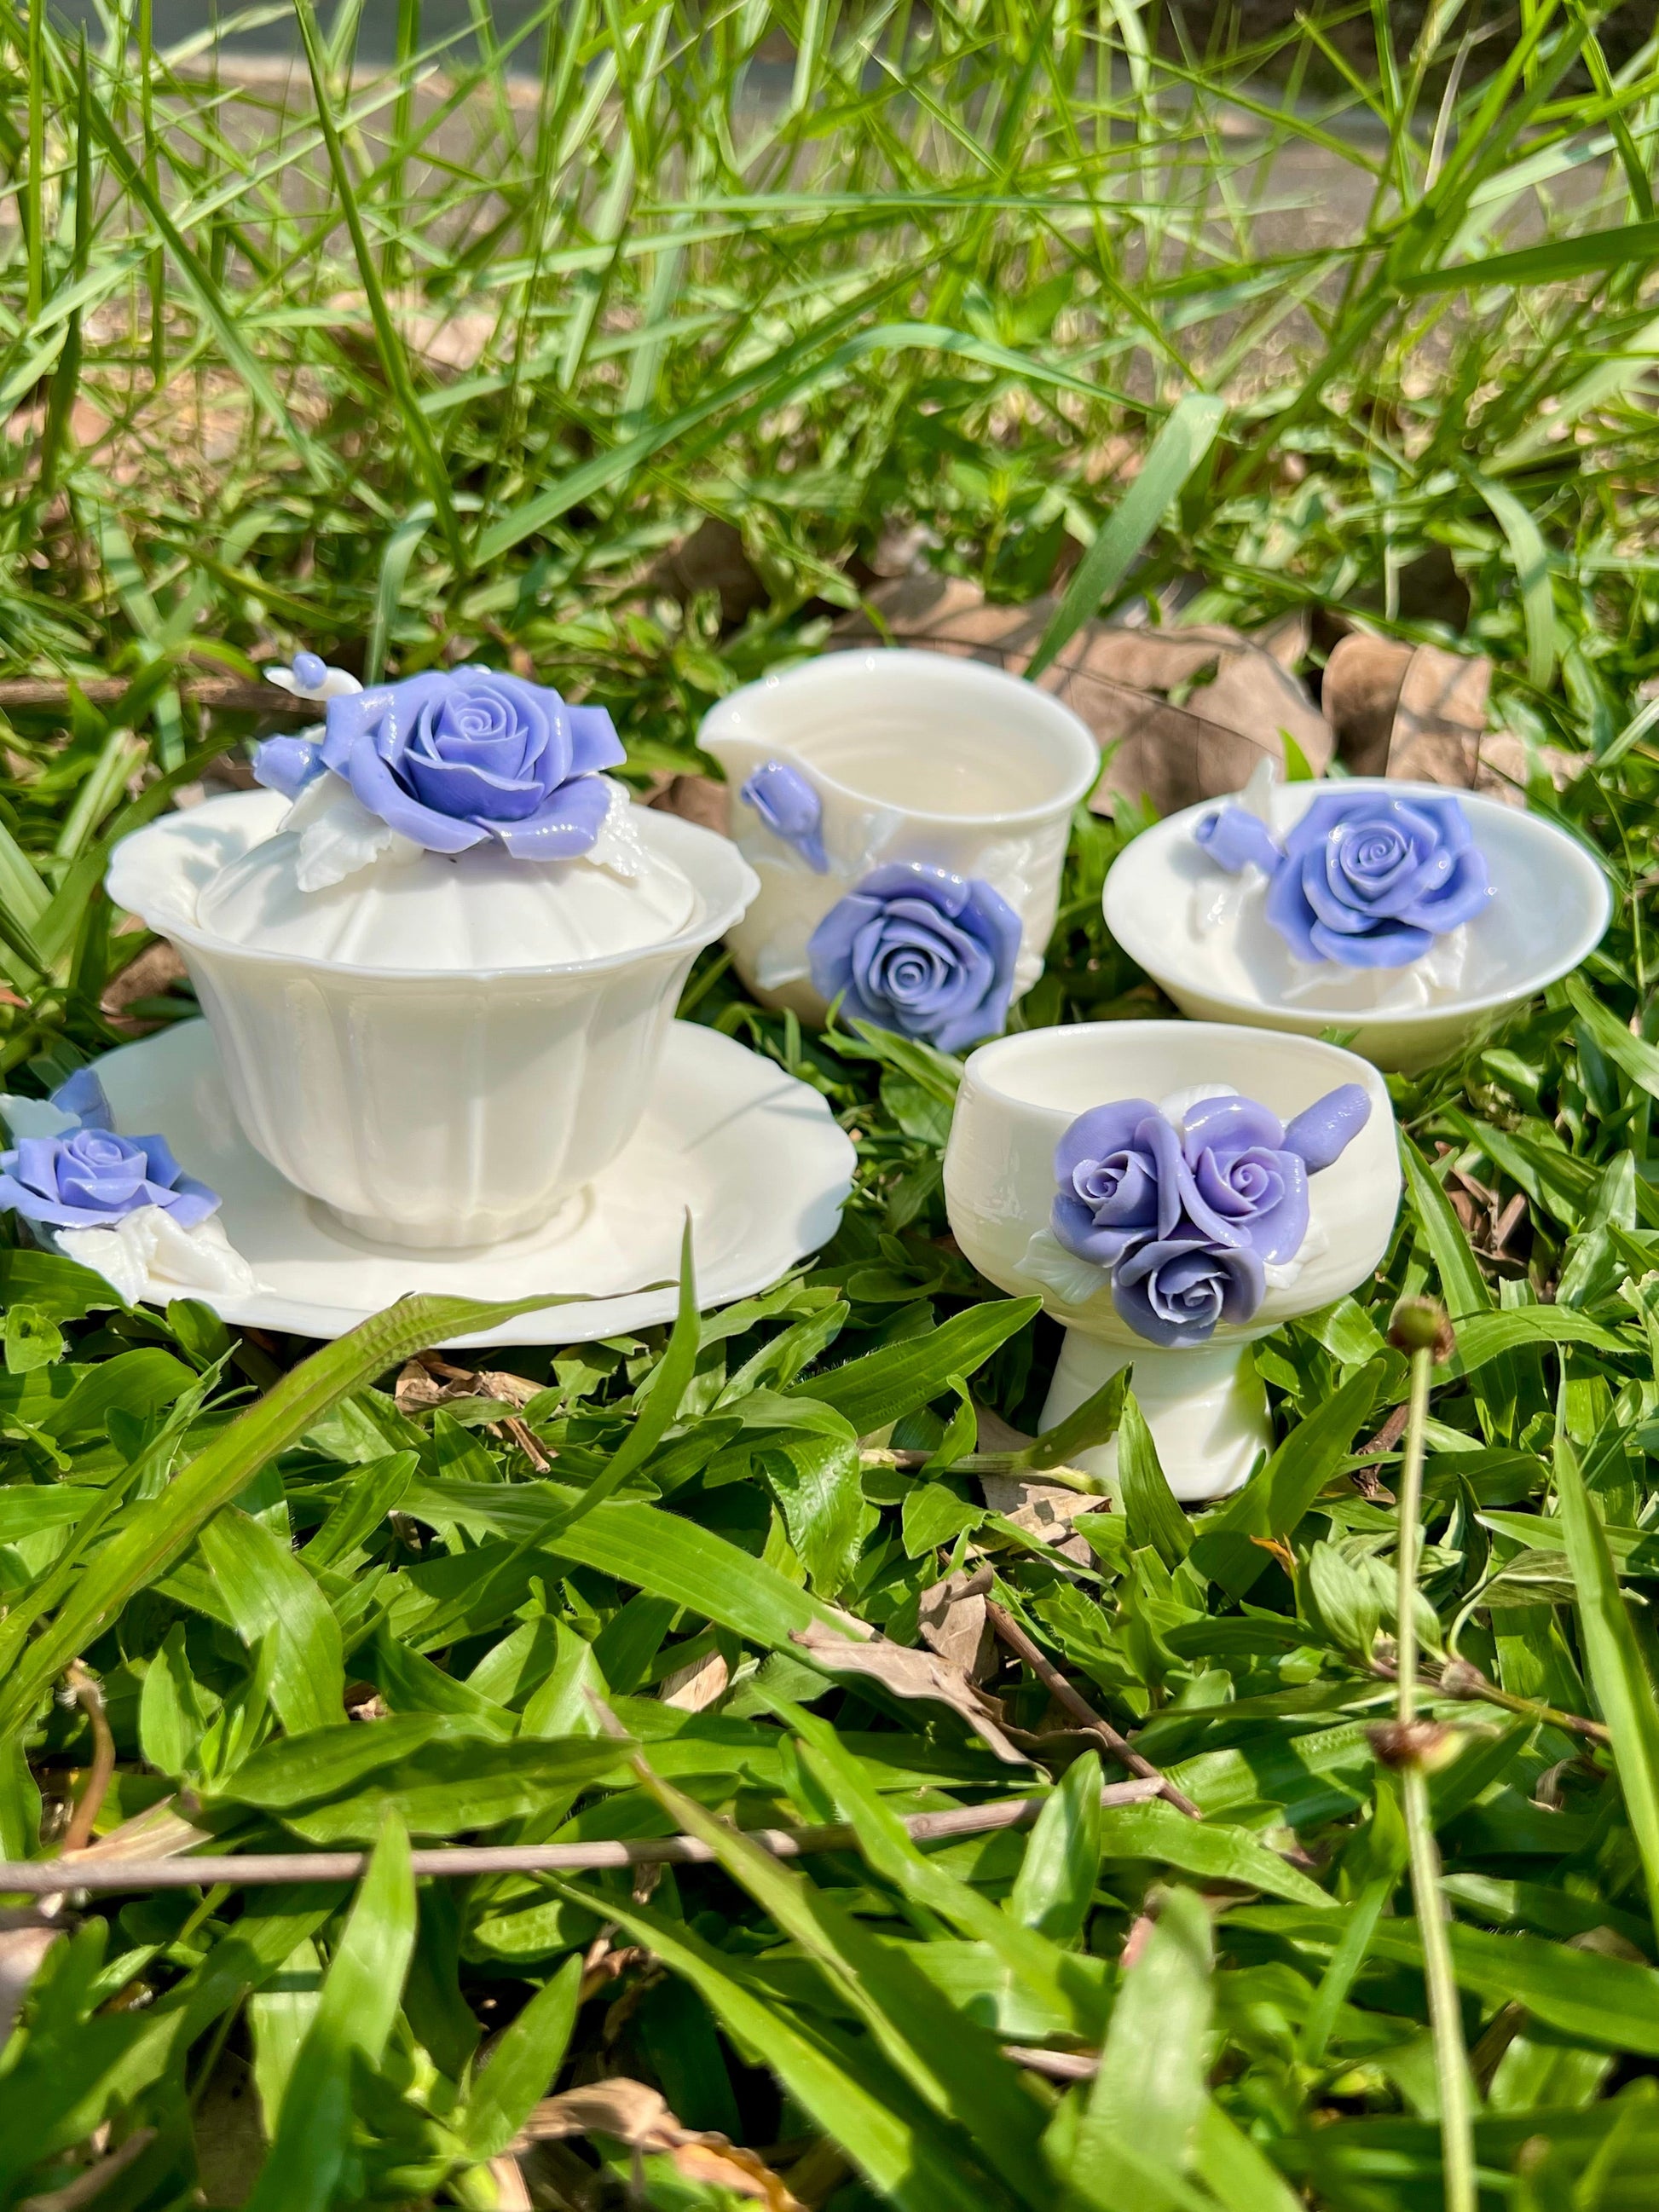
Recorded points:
1550,905
1205,1405
440,1107
754,1155
913,756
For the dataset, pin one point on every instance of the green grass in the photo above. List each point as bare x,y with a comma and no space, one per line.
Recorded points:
446,378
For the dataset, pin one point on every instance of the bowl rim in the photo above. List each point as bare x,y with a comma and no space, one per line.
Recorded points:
980,1063
1549,835
713,916
826,670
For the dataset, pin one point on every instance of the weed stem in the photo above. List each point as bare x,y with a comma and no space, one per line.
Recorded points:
1445,2020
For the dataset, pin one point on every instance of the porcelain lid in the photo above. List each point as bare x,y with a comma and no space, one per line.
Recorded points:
440,912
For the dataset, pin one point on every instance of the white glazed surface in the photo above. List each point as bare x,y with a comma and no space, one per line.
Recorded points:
754,1155
1551,906
440,1109
917,756
1017,1097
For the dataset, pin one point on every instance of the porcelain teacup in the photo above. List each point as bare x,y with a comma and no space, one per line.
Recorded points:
1172,1191
857,766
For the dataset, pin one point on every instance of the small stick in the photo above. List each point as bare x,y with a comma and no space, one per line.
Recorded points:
78,1834
42,1877
1458,1679
229,692
1058,2065
1421,1329
1079,1708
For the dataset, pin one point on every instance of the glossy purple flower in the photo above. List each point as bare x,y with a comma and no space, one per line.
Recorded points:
791,809
91,1177
450,759
1372,881
1173,1292
1230,1186
921,951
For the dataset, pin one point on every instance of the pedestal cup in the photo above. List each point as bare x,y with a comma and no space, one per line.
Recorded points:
897,756
432,1097
1213,948
1203,1402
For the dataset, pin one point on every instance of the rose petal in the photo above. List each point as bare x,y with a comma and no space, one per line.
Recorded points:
565,827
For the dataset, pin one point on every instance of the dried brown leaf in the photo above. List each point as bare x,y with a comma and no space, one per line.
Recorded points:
1044,1509
639,2116
953,1621
910,1674
21,1951
1189,711
697,1683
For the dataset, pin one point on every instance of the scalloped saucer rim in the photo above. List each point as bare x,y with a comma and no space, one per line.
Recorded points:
755,1153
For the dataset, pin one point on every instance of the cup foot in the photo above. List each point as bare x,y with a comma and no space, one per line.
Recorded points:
414,1237
1206,1407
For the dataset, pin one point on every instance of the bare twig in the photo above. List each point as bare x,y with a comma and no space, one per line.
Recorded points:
45,1876
1458,1679
1389,1435
92,2179
228,692
1058,2065
90,1803
1080,1709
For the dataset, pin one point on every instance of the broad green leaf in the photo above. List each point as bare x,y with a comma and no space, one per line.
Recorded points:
1055,1888
639,1544
1207,1849
1150,2093
1623,1687
173,1712
269,1594
451,1786
354,2019
815,1482
1149,1505
33,1339
521,2066
899,2150
163,1528
882,1387
1185,438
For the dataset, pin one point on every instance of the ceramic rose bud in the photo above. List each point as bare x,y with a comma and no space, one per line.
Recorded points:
1172,1190
919,951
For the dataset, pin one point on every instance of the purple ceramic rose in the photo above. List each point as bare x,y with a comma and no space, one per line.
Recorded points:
90,1177
1367,879
448,760
786,803
1187,1220
921,951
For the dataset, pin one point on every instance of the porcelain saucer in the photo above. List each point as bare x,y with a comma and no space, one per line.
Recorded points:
754,1154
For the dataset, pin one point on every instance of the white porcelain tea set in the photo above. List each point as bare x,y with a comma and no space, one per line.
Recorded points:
439,954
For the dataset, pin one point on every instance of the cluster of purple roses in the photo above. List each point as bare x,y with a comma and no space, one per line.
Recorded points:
1187,1221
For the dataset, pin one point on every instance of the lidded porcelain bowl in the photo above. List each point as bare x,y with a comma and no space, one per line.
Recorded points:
441,1047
